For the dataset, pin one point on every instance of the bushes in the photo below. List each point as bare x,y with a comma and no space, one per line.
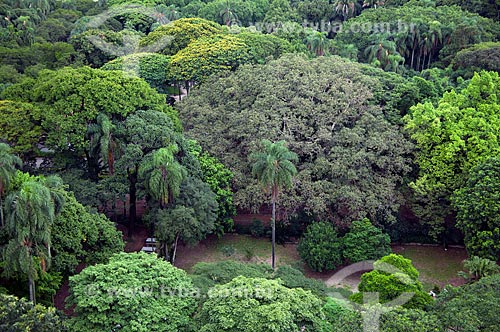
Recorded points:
322,249
393,275
365,241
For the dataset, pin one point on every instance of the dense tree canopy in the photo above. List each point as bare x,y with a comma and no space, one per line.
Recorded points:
138,292
477,205
453,137
250,304
394,278
350,158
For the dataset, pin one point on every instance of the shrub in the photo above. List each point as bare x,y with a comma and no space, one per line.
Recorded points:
392,276
320,247
365,241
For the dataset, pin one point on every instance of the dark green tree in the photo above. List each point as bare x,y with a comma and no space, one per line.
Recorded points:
320,247
364,241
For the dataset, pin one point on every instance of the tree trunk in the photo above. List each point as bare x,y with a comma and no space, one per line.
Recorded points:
175,249
31,282
273,232
1,210
132,192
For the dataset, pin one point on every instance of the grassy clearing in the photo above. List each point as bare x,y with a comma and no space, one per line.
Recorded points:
436,266
237,247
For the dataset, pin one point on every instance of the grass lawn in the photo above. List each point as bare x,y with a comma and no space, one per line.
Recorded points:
237,247
436,266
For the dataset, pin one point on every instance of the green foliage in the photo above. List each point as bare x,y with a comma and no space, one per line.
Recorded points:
256,304
81,236
190,218
207,275
96,47
219,178
39,55
21,127
392,277
263,47
206,56
409,320
350,158
452,138
257,228
137,291
478,268
67,109
152,67
472,307
477,204
183,32
19,315
364,241
437,33
320,247
482,56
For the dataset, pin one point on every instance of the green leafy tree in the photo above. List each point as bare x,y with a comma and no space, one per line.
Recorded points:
8,164
206,56
472,307
81,236
351,159
163,174
317,42
477,205
392,277
273,166
481,56
183,31
30,211
19,315
364,241
21,126
152,67
453,137
206,275
133,292
189,219
256,304
219,178
320,247
142,133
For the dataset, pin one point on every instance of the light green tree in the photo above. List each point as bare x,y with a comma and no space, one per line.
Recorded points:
256,304
133,292
273,166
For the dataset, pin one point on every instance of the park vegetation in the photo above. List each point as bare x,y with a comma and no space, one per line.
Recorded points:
355,124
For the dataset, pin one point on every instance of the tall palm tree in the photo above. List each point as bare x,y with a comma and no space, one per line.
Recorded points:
8,163
163,174
30,214
317,42
228,16
102,141
274,169
346,8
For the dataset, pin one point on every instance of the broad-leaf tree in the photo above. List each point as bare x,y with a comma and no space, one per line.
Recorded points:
256,304
133,292
452,138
